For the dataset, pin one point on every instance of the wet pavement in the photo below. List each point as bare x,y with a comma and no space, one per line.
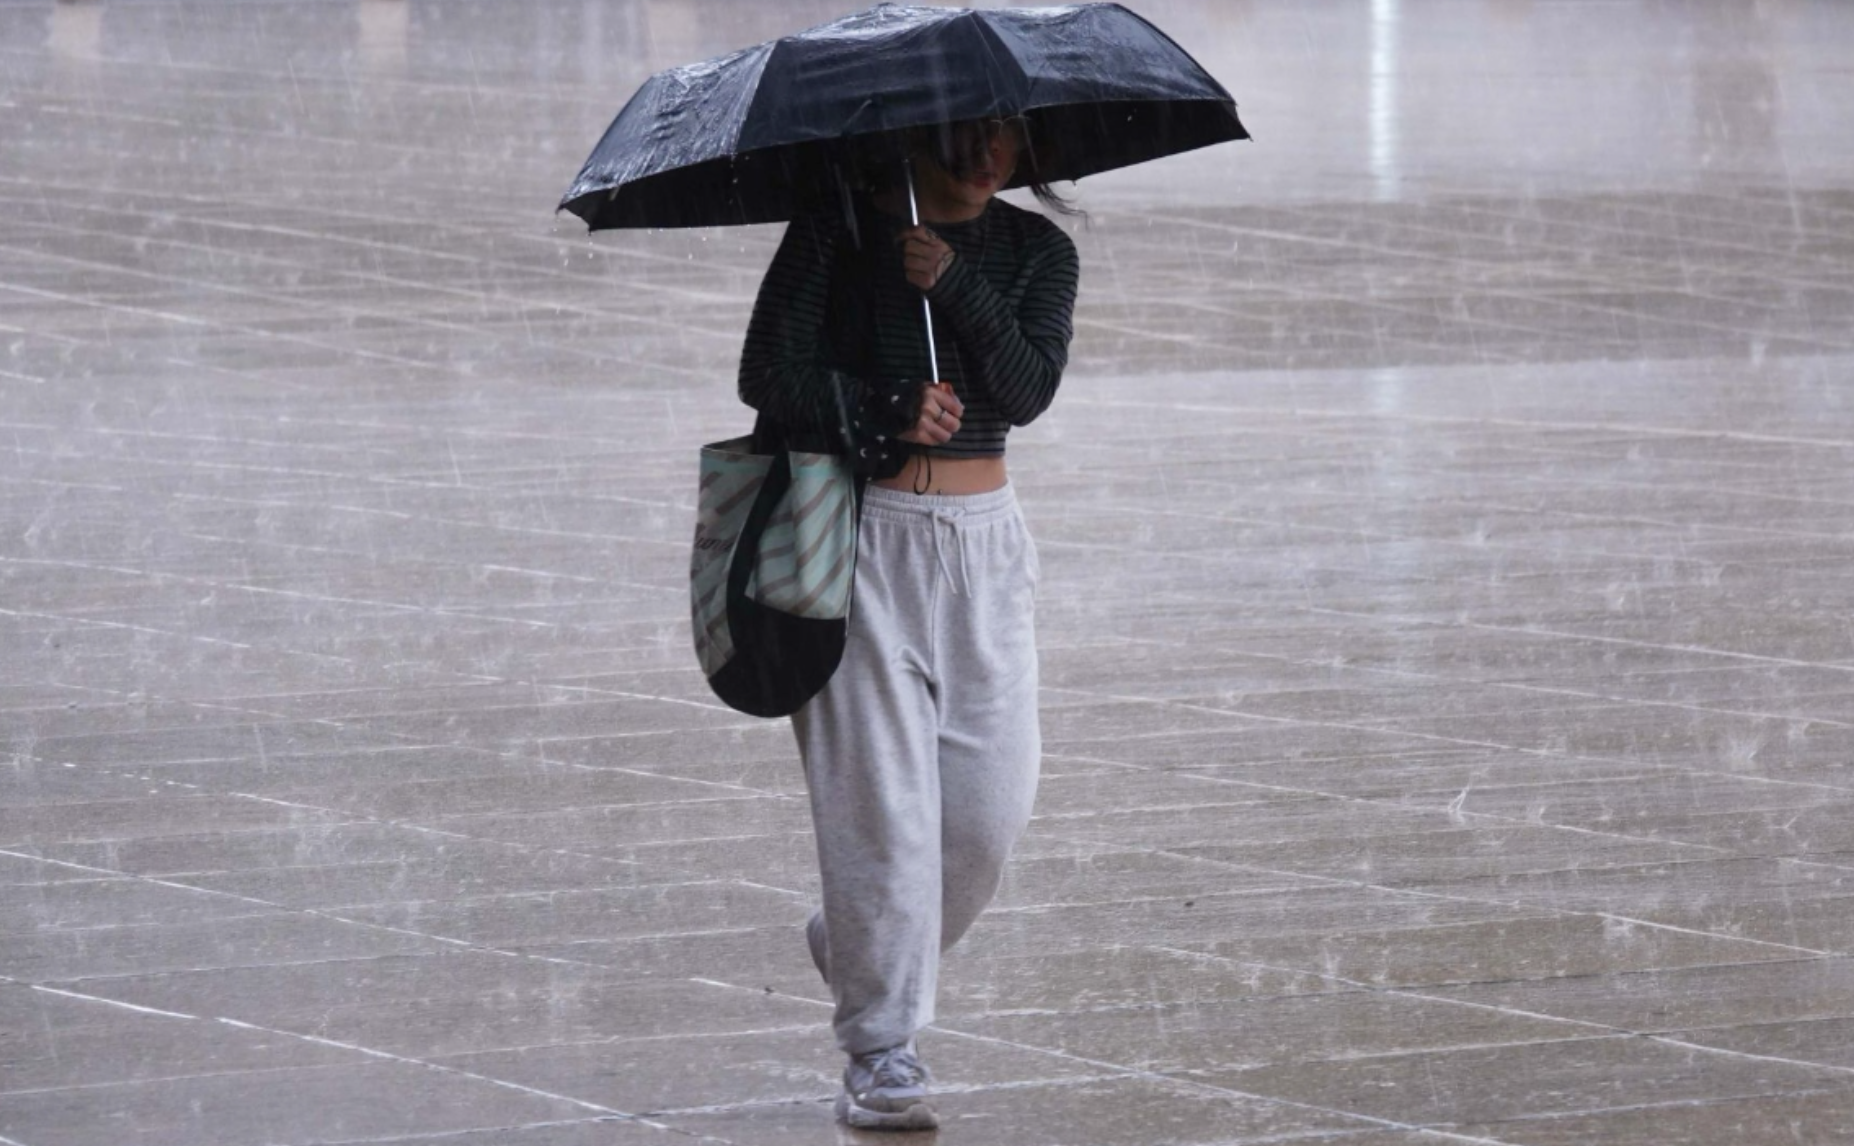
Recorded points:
1446,525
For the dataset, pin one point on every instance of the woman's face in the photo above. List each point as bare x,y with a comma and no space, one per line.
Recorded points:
979,156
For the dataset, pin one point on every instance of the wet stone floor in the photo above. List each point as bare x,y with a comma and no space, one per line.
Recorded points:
1447,524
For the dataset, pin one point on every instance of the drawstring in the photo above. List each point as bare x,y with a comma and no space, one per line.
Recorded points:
950,519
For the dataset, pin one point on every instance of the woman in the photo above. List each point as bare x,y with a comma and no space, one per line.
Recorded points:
921,754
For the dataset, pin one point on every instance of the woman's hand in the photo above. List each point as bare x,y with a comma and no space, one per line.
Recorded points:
938,421
924,256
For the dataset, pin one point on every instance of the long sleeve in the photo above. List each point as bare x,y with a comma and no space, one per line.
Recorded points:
785,367
1020,354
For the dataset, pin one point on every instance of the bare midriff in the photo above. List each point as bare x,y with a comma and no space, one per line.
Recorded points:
949,476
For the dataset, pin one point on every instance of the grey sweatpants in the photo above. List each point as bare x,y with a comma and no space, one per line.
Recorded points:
921,753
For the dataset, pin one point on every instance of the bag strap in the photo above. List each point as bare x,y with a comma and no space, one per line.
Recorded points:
853,271
768,438
852,266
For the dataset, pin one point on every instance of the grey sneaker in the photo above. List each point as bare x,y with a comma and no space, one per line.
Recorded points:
887,1090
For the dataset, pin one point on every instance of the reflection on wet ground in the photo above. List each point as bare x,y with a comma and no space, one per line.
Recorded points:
1449,684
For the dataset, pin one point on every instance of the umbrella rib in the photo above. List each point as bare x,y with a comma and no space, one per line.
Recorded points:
1001,55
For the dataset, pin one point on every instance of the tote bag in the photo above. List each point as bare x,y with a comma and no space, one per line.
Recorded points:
771,571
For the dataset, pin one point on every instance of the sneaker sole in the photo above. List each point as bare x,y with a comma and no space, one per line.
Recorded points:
920,1116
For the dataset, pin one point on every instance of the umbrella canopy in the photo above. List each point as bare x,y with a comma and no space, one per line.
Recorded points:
750,137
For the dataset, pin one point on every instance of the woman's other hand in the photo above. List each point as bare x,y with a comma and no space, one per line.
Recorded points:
938,420
924,256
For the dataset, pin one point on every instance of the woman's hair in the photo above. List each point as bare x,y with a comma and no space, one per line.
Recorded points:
1048,197
1045,194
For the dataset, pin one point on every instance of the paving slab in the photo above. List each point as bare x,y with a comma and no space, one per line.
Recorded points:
1816,1118
1558,1078
1686,999
357,1103
1505,950
1251,1033
46,1029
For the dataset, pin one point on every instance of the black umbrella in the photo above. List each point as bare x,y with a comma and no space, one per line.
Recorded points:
749,138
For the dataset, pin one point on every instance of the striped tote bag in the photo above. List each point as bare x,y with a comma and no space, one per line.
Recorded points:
771,572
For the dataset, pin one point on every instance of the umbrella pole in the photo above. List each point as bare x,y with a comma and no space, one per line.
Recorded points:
914,213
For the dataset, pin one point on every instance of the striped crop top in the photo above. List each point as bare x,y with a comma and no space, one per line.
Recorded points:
837,345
